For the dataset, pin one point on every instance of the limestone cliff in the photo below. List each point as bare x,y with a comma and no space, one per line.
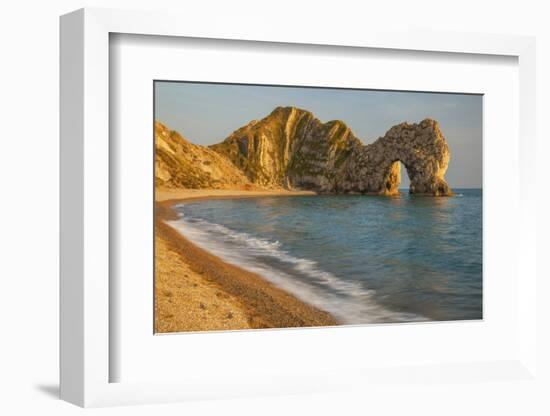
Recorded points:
179,163
291,148
421,148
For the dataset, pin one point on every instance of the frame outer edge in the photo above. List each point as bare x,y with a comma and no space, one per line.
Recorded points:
84,178
71,203
95,182
527,269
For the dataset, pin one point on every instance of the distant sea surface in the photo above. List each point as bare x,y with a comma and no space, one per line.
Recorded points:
364,259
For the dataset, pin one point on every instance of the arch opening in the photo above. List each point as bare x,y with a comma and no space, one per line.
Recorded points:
405,184
398,179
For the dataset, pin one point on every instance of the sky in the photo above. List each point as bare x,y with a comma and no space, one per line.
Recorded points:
206,113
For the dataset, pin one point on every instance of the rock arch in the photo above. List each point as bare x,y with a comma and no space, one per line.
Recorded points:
422,149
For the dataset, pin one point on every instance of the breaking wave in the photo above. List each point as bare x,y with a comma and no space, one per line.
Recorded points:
348,301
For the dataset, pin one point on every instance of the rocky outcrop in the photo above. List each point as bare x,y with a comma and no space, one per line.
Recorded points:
291,148
422,149
181,164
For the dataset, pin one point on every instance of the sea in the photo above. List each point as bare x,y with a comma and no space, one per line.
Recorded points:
365,259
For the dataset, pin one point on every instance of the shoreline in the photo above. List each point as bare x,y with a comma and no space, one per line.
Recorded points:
196,291
170,196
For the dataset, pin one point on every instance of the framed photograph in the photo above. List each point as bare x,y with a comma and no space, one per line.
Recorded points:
290,221
282,213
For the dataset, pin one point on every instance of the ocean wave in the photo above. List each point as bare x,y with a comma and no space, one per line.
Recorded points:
350,302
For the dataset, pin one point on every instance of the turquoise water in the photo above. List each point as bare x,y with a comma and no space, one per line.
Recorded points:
365,259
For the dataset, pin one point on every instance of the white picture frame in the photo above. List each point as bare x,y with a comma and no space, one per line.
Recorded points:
85,211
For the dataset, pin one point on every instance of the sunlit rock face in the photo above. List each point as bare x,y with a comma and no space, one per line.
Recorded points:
420,147
291,148
181,164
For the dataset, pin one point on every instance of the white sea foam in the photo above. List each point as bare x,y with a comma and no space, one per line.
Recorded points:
348,301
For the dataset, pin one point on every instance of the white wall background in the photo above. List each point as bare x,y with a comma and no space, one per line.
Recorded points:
29,57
